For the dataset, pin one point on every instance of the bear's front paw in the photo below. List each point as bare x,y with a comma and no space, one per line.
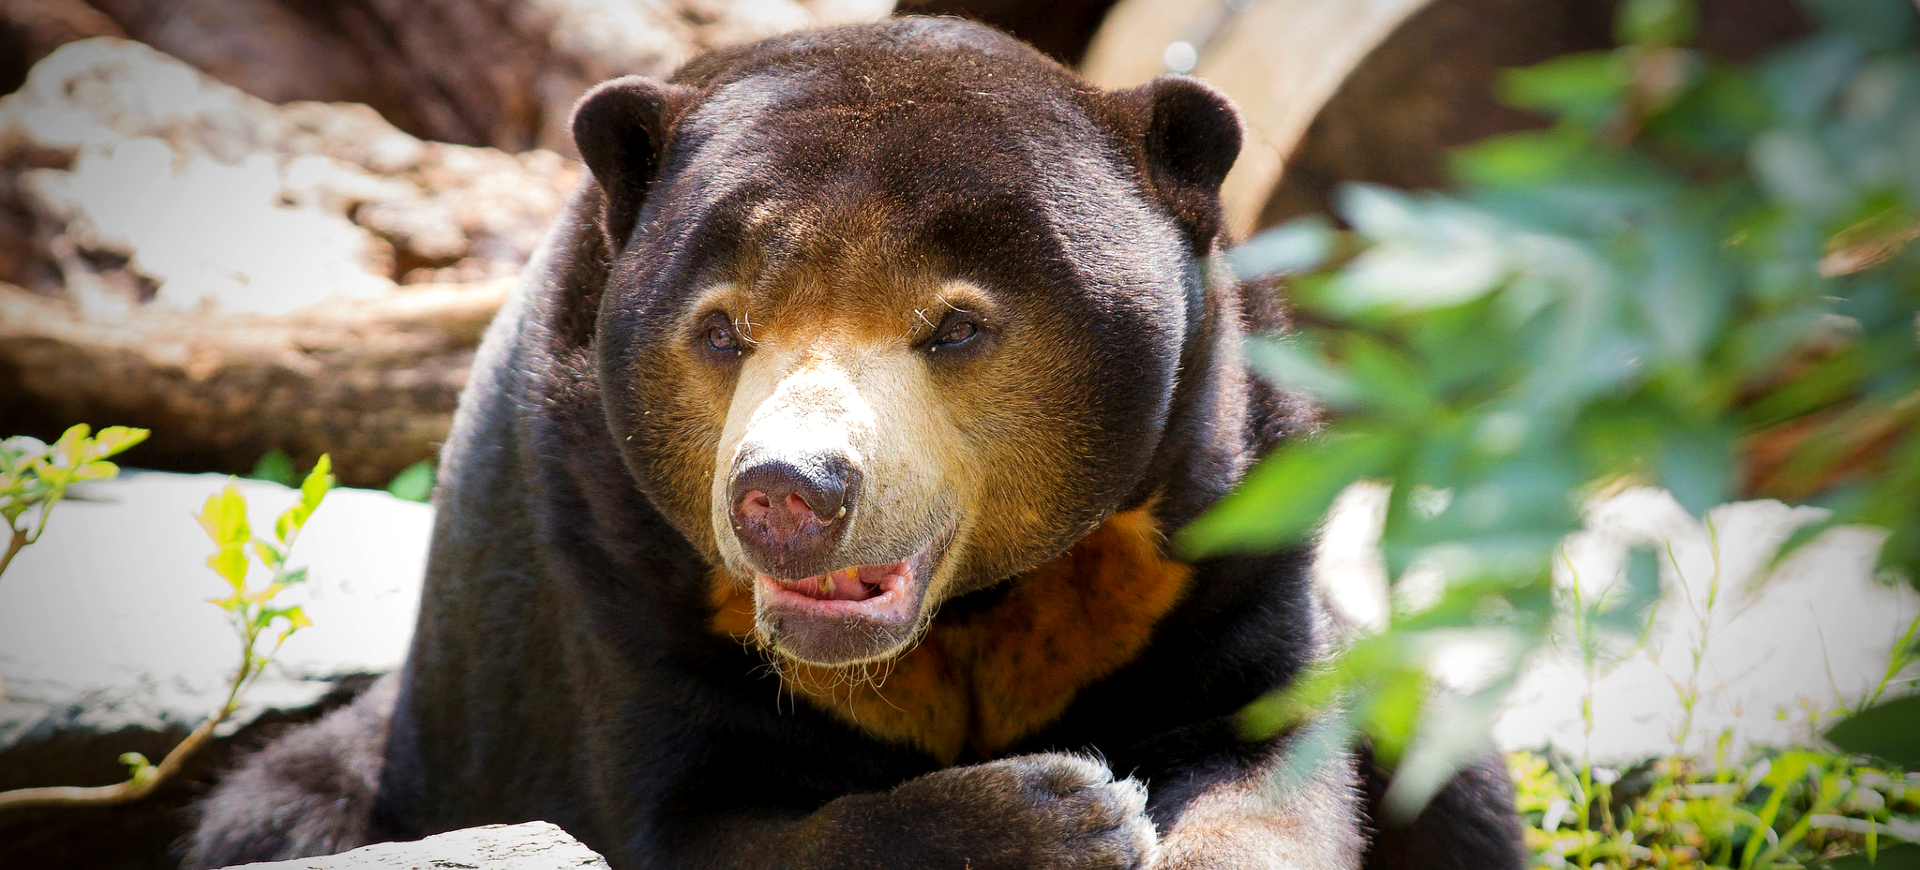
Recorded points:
1054,811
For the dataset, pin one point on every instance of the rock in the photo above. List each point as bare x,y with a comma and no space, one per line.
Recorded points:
108,645
500,73
142,193
1779,651
528,846
105,625
139,173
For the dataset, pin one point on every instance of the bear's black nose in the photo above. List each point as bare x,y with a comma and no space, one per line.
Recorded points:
790,513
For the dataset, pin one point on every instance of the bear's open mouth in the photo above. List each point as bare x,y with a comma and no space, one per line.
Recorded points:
849,614
859,583
879,592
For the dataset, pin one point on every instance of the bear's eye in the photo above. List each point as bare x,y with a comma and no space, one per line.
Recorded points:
721,337
957,329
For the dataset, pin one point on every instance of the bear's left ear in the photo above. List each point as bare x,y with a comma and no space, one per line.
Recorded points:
1192,136
621,128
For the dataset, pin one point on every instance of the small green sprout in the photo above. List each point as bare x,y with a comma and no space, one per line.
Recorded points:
34,476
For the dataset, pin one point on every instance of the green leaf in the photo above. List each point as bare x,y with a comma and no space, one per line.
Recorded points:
1804,78
224,517
268,554
315,487
21,451
1296,246
139,769
275,466
1584,88
1392,707
1626,613
1289,364
414,483
1414,275
1655,22
1697,466
71,449
297,575
98,469
1319,690
230,562
1531,157
1287,493
1453,732
319,481
1797,172
1878,24
116,439
1889,730
1386,375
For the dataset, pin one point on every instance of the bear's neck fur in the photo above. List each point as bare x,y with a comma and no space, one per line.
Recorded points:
981,680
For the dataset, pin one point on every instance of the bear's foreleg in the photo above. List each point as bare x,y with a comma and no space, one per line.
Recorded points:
311,792
1032,812
1241,810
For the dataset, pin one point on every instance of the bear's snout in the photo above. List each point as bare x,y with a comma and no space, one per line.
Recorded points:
790,515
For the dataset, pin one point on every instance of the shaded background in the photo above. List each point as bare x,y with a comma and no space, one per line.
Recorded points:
282,225
174,222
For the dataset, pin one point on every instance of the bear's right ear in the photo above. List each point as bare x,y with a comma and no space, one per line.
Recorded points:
621,129
1191,136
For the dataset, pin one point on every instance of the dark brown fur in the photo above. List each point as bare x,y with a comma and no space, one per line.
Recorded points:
1067,695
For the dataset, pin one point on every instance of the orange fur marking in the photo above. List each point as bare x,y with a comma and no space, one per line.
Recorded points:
988,679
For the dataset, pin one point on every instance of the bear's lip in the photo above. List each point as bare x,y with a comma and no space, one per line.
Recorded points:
872,611
881,593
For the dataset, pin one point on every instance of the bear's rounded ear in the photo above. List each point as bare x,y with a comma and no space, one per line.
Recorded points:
620,128
1192,137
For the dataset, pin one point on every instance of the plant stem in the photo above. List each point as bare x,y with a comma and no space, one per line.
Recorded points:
14,545
136,788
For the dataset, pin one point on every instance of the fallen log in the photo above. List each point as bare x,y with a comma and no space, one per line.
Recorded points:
373,382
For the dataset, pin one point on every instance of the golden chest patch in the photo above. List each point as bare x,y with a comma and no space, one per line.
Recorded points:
989,678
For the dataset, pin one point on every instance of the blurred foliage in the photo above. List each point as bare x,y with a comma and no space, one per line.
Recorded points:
275,466
1701,276
414,483
34,476
1776,808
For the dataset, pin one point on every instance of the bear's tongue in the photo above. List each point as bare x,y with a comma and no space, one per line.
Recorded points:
858,583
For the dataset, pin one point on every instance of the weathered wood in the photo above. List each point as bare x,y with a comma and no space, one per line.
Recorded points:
373,382
242,277
1280,60
499,73
1374,90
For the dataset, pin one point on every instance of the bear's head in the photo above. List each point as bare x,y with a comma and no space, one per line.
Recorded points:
896,314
